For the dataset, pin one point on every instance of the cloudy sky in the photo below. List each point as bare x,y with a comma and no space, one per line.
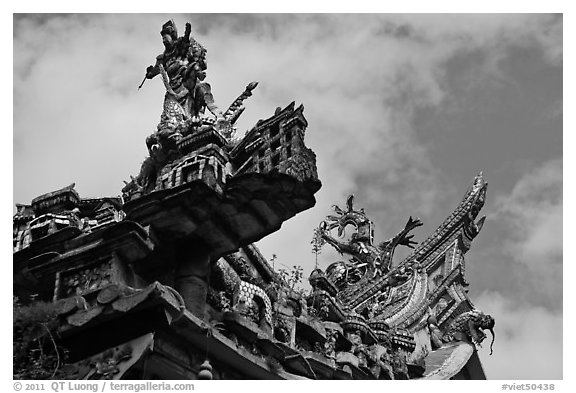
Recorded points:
403,111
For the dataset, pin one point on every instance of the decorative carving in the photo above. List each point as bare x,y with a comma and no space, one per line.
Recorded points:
205,372
329,349
381,362
236,108
320,308
435,332
284,327
440,306
251,301
469,326
399,365
302,166
404,340
182,67
367,259
243,269
358,348
394,302
107,365
87,279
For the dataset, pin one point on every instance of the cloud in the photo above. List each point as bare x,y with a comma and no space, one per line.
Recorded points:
360,76
533,210
362,84
520,251
77,115
528,342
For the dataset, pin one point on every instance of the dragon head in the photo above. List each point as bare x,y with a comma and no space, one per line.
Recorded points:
488,322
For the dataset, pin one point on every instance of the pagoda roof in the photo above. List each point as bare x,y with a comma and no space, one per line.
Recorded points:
427,252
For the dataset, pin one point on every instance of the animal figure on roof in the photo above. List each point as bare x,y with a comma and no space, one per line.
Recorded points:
469,326
366,257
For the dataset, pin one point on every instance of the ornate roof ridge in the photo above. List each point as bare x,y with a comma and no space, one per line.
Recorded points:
453,221
55,192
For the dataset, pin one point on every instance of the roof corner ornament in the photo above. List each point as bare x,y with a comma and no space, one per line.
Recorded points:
469,326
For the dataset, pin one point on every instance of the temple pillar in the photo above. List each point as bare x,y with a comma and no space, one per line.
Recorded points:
191,276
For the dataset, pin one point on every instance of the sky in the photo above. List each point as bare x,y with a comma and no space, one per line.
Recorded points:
403,110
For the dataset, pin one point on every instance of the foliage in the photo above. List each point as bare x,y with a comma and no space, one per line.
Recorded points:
218,299
35,352
317,242
292,278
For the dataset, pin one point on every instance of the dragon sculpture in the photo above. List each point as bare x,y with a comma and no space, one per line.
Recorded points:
368,260
469,326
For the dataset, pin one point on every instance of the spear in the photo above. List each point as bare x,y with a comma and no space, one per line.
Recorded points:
141,84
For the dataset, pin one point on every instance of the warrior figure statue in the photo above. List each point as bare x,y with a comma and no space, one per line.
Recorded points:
182,67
